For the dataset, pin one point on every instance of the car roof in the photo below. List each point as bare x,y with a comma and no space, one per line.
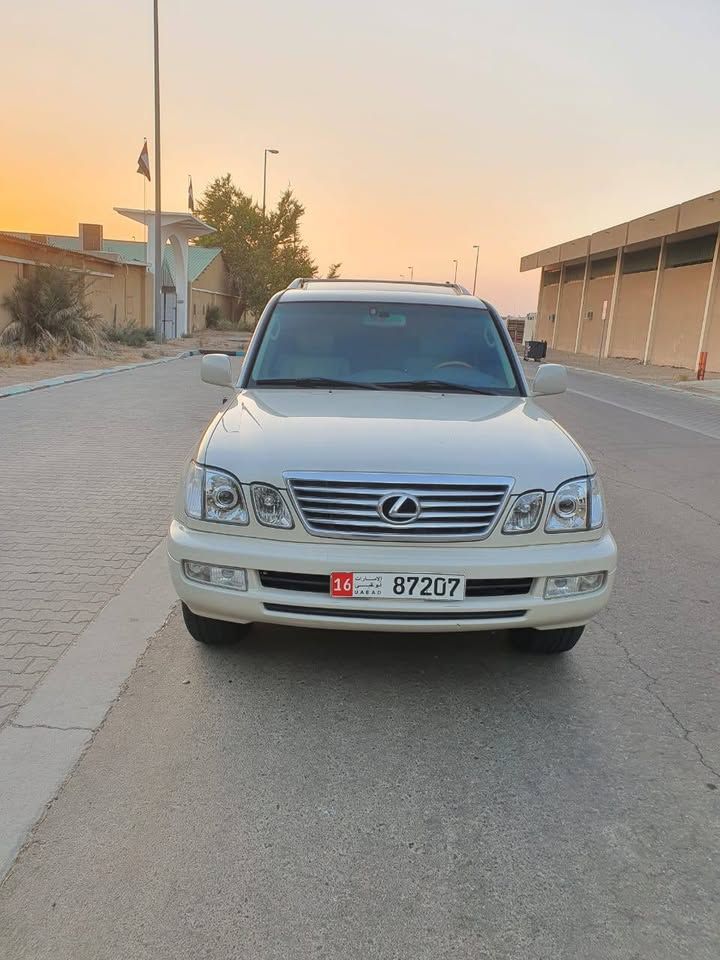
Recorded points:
389,291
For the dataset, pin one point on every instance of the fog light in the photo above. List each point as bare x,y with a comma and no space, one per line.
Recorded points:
232,578
574,585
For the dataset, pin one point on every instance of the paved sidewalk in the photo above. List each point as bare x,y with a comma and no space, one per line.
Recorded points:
89,476
631,369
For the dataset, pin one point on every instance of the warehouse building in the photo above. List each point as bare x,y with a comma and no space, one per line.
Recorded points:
645,289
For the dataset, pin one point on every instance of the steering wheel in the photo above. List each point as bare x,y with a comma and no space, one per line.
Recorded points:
453,363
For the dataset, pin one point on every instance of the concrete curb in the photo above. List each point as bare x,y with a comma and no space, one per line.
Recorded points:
40,746
708,395
17,389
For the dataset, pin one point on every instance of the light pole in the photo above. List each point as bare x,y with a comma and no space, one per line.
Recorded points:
412,270
456,265
267,151
157,279
476,248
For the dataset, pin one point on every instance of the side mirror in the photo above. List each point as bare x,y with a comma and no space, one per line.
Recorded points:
216,368
551,378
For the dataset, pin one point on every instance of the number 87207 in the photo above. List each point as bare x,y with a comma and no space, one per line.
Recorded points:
428,587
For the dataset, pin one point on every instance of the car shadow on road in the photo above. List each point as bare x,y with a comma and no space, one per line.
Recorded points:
293,679
373,700
402,656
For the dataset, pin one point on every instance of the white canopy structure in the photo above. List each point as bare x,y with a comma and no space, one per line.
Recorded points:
178,229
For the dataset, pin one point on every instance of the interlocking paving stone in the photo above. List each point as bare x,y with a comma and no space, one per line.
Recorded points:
89,476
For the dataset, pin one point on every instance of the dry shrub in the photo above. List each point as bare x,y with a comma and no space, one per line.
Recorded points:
24,357
49,310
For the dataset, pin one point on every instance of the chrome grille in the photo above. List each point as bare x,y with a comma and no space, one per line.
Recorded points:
346,505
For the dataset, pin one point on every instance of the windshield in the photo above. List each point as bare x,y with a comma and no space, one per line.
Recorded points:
383,345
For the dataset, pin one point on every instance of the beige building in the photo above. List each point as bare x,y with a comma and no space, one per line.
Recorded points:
646,289
118,283
117,290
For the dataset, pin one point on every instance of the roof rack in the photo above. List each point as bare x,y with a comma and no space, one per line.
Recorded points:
301,282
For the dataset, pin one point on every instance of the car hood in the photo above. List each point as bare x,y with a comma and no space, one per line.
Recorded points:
266,432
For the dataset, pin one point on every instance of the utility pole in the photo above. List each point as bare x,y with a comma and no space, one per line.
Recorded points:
456,266
412,270
476,248
158,251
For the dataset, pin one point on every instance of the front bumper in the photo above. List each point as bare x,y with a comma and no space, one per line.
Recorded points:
260,604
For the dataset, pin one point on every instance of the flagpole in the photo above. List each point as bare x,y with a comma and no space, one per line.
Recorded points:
145,238
157,286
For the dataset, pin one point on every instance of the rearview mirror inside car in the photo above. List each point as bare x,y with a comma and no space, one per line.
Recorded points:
551,378
216,368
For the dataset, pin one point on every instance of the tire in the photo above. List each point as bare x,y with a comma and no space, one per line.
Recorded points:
546,641
212,632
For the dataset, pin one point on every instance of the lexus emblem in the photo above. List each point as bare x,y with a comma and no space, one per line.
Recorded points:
399,508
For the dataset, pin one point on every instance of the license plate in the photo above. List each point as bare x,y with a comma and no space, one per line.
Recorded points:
400,586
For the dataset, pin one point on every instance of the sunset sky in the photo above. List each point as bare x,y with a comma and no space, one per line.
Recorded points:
410,130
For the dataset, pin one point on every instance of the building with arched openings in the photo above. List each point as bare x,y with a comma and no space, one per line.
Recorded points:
646,289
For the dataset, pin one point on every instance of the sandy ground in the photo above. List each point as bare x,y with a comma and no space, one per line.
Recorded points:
117,355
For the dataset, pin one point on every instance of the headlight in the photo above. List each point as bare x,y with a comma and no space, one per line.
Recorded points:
212,494
270,508
526,512
577,505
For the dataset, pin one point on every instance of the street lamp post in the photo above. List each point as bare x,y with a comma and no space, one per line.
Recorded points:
476,248
412,270
157,279
456,266
267,151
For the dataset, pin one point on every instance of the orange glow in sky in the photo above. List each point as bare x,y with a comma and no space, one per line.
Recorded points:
410,130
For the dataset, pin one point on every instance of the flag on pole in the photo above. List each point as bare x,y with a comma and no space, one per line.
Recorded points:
191,198
144,162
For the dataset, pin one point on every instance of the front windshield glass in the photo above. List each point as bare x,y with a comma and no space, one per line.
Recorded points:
383,346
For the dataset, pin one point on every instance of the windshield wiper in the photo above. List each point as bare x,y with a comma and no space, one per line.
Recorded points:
314,382
444,386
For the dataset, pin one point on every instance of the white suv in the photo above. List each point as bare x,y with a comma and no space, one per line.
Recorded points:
381,465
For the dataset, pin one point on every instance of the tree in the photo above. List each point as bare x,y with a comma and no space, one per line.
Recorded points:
262,254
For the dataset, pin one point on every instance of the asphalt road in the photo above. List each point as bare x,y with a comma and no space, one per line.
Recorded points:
370,796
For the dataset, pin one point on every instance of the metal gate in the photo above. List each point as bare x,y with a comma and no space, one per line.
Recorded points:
169,313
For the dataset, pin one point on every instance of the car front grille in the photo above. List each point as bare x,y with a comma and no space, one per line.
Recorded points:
320,583
429,507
